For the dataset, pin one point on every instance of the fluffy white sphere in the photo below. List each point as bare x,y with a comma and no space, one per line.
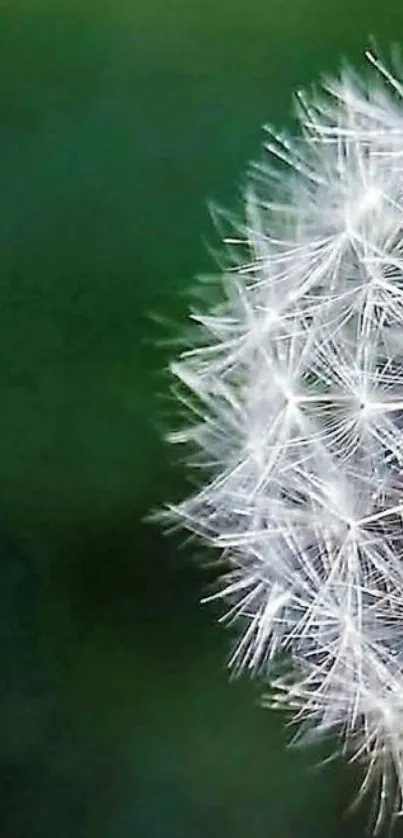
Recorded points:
295,390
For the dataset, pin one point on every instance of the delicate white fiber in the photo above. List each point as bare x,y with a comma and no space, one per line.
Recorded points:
294,386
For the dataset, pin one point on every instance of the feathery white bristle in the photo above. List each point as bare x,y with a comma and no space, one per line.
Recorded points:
296,391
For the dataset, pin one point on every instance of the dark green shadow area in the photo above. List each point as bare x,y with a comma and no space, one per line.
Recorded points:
118,122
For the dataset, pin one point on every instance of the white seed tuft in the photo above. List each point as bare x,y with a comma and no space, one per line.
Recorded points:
295,388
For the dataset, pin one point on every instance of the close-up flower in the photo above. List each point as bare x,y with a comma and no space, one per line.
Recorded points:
292,391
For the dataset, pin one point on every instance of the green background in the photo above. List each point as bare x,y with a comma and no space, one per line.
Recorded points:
118,122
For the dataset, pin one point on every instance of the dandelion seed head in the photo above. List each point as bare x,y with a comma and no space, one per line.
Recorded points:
293,389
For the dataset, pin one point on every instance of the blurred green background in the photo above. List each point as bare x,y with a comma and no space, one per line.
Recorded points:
118,122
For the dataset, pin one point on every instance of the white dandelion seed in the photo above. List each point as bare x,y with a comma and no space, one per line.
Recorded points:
295,389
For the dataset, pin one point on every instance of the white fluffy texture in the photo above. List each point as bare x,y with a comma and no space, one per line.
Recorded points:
296,392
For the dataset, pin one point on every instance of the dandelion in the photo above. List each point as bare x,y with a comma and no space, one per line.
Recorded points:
294,387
